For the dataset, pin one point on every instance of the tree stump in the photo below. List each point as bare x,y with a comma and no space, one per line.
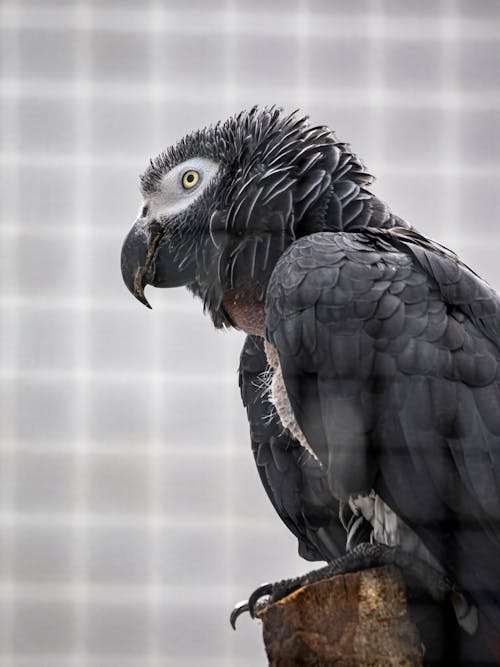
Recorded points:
350,620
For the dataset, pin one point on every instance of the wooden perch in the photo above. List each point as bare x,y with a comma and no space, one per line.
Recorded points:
350,620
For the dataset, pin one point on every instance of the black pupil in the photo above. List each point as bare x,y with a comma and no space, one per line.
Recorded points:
144,211
190,178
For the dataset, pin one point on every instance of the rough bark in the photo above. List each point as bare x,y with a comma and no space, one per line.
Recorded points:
349,620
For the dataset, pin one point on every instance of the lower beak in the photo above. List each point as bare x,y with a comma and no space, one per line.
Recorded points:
147,260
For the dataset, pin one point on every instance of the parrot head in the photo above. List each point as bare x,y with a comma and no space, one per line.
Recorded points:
222,205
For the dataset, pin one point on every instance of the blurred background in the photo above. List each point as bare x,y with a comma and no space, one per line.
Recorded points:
131,515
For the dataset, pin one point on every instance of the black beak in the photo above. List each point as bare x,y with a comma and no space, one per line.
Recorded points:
147,260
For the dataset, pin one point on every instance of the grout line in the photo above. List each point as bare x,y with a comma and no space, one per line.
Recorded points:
340,97
184,523
83,120
227,546
9,335
450,134
276,24
158,390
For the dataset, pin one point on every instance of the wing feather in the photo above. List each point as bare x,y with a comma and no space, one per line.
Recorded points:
395,382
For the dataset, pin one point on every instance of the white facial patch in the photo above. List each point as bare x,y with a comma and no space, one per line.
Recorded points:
182,185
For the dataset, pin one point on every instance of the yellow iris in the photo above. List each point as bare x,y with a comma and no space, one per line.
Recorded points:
190,179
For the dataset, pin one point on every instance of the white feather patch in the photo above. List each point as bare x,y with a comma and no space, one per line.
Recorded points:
279,398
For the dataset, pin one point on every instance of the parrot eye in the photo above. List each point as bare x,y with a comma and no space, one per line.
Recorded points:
190,179
183,184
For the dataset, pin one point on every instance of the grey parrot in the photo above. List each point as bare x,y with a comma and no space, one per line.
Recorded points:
371,368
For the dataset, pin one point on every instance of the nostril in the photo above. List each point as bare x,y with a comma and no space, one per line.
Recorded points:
145,210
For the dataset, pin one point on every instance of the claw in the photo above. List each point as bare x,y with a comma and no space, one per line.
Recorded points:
250,605
240,608
265,589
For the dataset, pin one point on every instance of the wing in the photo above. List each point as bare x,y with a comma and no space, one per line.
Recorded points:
292,478
388,348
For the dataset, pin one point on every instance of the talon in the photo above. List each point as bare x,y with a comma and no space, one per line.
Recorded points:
265,589
251,604
240,608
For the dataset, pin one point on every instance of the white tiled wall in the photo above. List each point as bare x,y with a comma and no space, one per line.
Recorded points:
131,515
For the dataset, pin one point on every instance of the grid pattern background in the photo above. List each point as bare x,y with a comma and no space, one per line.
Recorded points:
131,515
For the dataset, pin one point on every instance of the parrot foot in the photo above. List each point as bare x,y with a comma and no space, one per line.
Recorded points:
417,573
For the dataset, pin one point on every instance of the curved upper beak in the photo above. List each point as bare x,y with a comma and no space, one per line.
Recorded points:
147,260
